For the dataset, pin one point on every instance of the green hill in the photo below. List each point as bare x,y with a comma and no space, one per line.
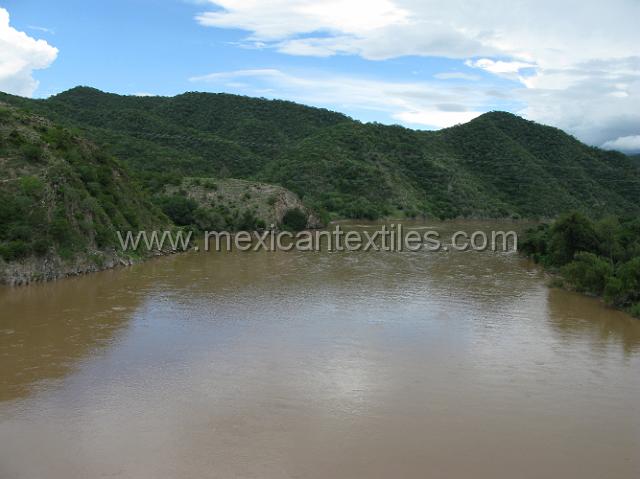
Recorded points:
497,165
61,202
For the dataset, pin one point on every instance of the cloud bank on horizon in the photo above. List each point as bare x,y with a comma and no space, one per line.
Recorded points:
574,65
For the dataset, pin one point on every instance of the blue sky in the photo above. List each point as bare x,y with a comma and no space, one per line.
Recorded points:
393,61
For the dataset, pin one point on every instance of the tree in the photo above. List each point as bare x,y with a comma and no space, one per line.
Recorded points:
571,234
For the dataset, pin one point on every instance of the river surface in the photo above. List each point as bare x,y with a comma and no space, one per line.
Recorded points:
317,365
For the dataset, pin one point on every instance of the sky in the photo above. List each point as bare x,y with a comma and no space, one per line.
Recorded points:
424,64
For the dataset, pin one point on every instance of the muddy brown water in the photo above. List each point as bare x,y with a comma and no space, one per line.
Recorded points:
317,365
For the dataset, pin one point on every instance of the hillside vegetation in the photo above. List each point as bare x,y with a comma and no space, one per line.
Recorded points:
61,201
497,165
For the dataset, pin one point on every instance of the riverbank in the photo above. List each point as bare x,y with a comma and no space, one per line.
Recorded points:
597,258
556,281
51,268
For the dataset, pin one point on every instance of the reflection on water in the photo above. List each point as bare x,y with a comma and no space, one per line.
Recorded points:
317,365
47,329
574,316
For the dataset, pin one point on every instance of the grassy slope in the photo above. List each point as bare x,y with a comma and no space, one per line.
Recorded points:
496,165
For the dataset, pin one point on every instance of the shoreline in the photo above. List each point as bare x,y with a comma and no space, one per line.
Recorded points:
44,270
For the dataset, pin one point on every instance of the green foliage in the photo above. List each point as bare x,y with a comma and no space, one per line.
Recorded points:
625,287
207,219
497,165
59,138
248,222
294,220
14,250
571,234
60,195
32,186
588,273
210,185
601,258
61,231
32,152
178,208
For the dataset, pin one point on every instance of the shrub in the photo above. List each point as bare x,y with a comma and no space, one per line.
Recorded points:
178,208
588,273
247,221
61,231
629,276
208,220
614,291
19,231
536,242
104,236
359,208
294,220
16,139
31,152
14,250
59,138
40,246
32,185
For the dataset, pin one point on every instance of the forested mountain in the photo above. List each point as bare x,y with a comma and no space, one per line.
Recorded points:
62,200
496,165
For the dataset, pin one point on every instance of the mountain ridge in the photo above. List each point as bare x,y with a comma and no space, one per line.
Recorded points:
497,165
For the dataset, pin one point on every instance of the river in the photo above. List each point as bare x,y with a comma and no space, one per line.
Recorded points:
317,365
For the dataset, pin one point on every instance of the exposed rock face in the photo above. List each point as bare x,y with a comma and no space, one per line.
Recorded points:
287,200
33,269
268,202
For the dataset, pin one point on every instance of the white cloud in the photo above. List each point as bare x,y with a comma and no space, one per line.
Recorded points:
42,29
212,77
19,56
417,103
279,19
580,52
624,143
456,76
498,67
546,32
